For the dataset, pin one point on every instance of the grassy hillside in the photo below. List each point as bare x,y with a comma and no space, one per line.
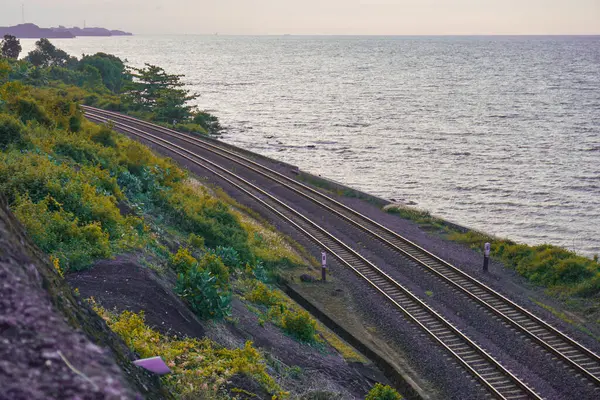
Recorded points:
85,193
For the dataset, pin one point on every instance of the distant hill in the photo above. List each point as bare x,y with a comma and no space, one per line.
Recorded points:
32,31
76,31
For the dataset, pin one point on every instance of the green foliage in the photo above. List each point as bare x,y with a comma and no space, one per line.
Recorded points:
209,122
282,312
152,89
196,241
299,324
383,392
187,127
74,123
89,77
11,130
10,47
229,256
149,92
200,368
196,211
5,70
213,264
199,288
423,218
182,261
30,110
551,266
46,55
89,170
106,137
111,69
261,294
61,234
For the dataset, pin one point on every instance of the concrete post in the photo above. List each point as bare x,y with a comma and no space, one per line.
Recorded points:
486,256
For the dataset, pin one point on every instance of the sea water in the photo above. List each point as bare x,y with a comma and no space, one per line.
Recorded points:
497,133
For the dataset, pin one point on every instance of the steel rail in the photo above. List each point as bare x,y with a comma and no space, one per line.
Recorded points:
567,349
491,374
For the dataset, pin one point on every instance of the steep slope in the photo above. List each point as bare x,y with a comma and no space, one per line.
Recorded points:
52,345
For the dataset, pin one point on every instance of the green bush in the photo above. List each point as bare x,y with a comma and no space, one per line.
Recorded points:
75,123
78,153
207,121
260,272
11,130
189,128
551,266
106,137
299,324
182,261
229,256
61,234
200,290
30,110
383,392
196,241
206,216
213,264
261,294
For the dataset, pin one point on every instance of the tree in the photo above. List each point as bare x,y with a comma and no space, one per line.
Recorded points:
152,89
111,68
46,55
11,47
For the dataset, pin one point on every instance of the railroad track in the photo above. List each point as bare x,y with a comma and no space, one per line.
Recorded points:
498,381
566,349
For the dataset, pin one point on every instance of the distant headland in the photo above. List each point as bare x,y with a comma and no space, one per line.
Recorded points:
32,31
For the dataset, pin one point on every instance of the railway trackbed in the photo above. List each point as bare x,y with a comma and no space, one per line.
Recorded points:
500,382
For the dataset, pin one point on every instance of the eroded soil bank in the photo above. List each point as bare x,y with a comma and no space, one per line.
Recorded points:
52,345
125,285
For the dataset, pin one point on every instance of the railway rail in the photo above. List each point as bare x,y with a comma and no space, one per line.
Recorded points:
506,386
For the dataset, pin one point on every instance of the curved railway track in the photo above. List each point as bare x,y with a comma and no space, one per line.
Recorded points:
500,382
566,349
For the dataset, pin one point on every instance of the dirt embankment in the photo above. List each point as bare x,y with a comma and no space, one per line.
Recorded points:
52,346
123,284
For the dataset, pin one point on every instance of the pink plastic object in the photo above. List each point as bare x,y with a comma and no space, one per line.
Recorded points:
154,364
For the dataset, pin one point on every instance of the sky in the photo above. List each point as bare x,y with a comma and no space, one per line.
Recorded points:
306,17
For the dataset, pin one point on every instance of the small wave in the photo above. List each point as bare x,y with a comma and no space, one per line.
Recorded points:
463,153
326,142
237,84
352,125
344,151
504,116
583,188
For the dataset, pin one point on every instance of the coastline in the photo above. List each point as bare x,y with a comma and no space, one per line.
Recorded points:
434,234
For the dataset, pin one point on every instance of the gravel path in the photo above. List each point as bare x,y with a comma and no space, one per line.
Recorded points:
533,366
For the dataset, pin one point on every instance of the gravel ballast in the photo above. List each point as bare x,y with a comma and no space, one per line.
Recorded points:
527,361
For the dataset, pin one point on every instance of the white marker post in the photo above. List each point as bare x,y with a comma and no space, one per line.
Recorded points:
486,256
323,266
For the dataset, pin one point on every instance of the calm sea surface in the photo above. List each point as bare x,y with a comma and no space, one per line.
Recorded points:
500,134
